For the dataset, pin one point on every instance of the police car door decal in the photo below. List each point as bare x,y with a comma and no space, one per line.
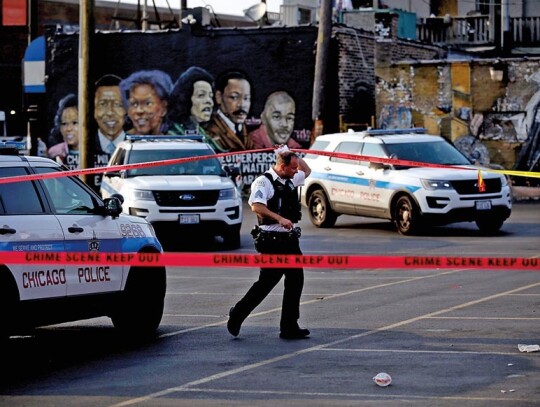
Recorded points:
90,234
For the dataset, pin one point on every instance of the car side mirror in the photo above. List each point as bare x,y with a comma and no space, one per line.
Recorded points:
232,171
119,196
111,174
113,206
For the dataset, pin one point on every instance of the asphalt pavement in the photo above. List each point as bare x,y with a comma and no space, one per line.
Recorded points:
447,337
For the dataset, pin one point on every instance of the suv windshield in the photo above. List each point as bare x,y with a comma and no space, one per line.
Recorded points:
436,152
210,166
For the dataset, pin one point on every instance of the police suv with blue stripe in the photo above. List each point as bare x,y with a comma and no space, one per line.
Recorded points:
412,197
62,214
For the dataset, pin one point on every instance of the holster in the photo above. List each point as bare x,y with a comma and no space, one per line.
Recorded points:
273,242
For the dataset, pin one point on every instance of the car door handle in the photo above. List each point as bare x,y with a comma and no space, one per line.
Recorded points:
359,172
327,169
6,230
75,229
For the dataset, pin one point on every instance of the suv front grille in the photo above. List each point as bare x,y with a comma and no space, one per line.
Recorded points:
186,198
470,187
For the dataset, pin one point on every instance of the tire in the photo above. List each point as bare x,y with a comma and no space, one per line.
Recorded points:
489,226
231,238
320,212
140,307
406,216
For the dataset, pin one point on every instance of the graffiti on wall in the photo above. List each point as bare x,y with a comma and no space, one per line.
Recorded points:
395,117
514,120
529,156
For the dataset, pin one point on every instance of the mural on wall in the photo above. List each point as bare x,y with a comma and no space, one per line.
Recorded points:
395,117
110,117
146,98
507,134
192,102
471,145
513,120
396,111
64,136
240,106
529,156
148,103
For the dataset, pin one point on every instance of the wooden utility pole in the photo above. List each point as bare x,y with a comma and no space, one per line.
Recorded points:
321,60
86,98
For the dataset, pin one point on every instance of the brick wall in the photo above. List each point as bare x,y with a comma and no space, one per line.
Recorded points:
359,54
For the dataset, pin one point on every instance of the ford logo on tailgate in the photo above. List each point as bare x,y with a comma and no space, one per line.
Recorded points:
187,197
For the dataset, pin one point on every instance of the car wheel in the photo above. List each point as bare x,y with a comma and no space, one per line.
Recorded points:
489,225
406,216
231,238
320,212
140,308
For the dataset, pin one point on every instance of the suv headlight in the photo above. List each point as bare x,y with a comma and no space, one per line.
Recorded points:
433,184
142,195
229,193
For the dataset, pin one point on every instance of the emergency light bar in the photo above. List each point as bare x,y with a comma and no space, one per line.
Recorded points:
12,147
389,132
192,137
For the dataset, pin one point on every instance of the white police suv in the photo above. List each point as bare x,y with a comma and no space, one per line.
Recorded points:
181,201
411,197
63,214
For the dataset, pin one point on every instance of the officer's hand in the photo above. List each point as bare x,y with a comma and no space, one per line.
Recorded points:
280,149
286,223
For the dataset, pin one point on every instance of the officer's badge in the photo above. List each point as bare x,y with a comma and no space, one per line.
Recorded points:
93,244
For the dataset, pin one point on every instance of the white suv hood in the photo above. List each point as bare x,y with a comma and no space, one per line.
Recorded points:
178,182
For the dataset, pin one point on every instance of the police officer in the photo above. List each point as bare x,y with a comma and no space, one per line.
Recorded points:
274,199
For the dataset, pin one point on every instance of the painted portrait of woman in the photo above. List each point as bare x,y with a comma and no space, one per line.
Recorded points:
66,121
146,98
191,102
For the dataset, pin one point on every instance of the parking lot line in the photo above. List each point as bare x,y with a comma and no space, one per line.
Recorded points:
365,396
227,373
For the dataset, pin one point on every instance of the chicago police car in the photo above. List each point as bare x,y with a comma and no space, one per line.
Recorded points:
64,215
195,197
411,197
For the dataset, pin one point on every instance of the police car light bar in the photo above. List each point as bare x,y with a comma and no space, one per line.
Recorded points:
12,147
389,132
193,137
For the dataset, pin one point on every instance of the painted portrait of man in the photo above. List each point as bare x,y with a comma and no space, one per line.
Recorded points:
227,127
277,122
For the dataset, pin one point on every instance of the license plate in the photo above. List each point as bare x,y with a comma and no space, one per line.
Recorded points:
483,205
191,219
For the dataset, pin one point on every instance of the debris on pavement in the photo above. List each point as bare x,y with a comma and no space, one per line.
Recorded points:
382,379
528,348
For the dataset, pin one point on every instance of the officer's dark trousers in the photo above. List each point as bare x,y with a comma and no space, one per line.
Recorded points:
268,278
